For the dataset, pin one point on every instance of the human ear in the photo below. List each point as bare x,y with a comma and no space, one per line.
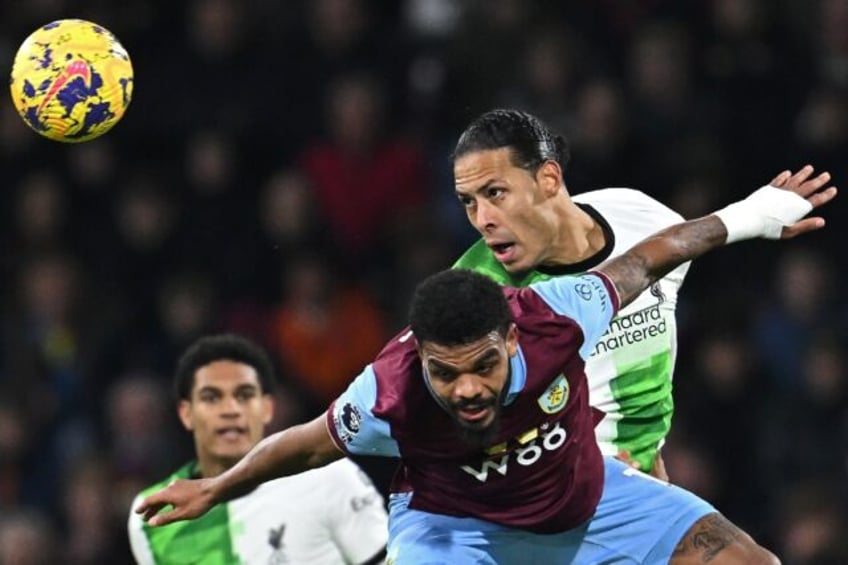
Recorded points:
184,412
267,408
549,177
512,340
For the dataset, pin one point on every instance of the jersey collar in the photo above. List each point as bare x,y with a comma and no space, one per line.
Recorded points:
518,376
589,262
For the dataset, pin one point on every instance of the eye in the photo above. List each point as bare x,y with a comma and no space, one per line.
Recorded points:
485,368
209,397
440,374
494,192
244,395
466,201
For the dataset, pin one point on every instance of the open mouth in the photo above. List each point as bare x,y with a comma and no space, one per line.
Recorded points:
474,413
502,250
231,433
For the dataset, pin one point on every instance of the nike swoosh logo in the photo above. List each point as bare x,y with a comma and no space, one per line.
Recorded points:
74,69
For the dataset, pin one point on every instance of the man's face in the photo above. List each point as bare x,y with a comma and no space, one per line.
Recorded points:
470,380
227,412
510,207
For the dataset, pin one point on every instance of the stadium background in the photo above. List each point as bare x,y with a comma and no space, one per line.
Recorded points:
283,171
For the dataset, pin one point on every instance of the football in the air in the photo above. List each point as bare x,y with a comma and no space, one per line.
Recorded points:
71,80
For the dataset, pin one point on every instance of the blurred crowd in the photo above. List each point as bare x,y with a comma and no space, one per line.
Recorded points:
284,172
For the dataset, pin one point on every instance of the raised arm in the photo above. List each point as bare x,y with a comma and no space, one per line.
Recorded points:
289,452
774,212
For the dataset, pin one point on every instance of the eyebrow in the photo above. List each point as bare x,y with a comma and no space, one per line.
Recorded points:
478,190
218,390
489,355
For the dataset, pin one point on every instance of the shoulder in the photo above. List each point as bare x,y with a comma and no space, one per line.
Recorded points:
570,296
135,523
479,258
531,306
397,372
472,254
183,472
397,358
623,201
342,474
319,486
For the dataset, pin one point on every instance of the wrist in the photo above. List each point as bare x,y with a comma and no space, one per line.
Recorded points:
739,222
764,213
210,490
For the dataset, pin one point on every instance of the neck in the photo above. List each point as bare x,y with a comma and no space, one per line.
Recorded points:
212,468
579,236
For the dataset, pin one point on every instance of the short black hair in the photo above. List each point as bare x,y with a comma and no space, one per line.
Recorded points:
456,307
531,141
222,347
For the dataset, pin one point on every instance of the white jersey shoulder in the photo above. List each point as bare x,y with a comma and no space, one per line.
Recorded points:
326,516
632,214
333,514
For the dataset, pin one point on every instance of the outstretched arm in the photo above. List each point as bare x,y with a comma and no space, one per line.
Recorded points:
289,452
773,212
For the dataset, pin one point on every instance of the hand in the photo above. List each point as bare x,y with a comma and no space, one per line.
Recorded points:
657,470
189,499
801,184
778,210
624,456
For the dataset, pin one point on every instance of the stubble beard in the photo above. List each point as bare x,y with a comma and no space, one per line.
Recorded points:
481,439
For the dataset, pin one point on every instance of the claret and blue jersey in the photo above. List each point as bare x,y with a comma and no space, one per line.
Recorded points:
630,370
544,471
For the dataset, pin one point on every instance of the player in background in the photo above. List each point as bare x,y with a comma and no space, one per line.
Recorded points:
485,401
508,168
329,515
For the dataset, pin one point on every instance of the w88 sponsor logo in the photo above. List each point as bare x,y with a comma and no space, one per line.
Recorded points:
532,445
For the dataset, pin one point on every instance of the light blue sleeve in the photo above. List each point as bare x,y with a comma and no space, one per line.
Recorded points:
586,299
353,424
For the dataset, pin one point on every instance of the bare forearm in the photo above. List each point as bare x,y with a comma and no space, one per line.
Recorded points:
775,211
653,258
288,452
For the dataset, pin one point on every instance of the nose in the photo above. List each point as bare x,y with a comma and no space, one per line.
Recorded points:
230,406
466,387
485,216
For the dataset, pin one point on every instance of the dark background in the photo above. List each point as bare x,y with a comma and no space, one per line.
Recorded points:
283,171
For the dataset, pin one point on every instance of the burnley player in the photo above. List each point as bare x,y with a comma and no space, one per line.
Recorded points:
485,401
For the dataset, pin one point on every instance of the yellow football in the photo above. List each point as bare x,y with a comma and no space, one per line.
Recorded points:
71,80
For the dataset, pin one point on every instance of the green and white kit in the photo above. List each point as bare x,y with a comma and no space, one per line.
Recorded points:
330,515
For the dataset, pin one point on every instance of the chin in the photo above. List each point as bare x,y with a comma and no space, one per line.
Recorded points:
479,436
516,267
479,427
233,453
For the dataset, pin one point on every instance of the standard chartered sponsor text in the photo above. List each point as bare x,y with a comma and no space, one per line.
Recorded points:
633,328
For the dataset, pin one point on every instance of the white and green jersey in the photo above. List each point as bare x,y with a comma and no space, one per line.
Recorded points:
630,369
325,516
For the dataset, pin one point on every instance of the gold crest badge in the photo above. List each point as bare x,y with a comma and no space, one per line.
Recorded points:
555,397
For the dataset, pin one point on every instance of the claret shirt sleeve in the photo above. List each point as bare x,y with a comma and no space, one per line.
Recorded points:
352,423
589,299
